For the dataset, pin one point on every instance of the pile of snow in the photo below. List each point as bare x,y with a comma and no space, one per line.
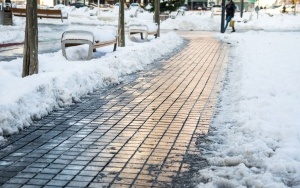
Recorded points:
79,12
11,34
256,133
206,21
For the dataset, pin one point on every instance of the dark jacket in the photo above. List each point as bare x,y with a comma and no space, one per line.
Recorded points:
230,9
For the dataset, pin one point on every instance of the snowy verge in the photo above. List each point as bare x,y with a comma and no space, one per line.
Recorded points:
256,132
61,82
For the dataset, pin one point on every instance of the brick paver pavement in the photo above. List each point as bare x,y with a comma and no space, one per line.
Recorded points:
135,134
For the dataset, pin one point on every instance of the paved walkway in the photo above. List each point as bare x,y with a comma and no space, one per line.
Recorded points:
135,134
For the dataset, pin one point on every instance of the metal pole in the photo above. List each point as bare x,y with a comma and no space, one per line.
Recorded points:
223,17
242,7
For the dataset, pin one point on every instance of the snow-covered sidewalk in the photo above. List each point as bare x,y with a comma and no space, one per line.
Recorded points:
256,137
61,82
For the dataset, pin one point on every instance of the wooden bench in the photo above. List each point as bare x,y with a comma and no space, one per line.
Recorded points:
77,37
163,17
98,44
41,13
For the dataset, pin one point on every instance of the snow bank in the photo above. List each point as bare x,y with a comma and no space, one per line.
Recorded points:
256,133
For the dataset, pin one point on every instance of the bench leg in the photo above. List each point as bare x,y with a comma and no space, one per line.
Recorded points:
115,46
142,36
63,49
90,50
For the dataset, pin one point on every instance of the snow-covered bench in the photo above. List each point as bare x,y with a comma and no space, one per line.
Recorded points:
94,11
108,18
79,12
174,14
79,37
163,17
143,29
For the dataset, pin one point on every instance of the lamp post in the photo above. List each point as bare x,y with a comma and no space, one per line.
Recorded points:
242,7
223,17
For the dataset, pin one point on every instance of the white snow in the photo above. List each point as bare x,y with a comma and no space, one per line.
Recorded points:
255,140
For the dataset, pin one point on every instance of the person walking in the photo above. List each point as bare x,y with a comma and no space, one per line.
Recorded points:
230,9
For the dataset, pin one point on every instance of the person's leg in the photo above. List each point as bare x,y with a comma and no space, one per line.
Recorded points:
227,21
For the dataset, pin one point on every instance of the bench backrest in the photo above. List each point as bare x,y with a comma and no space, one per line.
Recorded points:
19,11
48,12
40,12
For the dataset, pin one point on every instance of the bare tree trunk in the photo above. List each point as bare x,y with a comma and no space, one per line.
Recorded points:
30,52
156,15
121,27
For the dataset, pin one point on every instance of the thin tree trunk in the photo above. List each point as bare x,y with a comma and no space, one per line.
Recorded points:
156,15
121,27
30,53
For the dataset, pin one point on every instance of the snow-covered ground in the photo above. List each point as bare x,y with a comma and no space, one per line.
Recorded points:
256,130
203,21
256,137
